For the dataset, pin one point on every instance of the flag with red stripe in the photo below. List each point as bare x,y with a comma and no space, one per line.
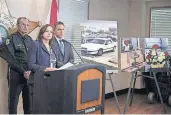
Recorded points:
53,13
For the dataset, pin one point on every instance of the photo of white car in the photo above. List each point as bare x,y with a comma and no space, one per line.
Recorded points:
98,46
99,43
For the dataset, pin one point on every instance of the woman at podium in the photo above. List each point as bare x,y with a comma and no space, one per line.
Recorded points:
42,55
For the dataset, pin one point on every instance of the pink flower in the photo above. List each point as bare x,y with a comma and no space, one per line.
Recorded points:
155,46
148,57
166,53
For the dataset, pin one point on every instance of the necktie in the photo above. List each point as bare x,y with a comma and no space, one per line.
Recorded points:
61,46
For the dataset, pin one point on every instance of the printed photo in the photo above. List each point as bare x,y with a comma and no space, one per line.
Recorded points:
131,54
99,42
156,52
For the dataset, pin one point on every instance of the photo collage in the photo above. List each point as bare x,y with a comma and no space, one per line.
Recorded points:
99,44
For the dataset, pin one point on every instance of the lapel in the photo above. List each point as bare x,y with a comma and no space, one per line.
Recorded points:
54,50
43,47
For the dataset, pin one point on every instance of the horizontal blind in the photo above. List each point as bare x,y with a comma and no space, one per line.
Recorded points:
72,13
161,24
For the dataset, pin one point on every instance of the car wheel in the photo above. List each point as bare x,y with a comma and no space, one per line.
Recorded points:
169,101
151,98
100,52
114,48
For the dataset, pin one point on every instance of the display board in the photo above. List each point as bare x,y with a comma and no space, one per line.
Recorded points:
156,52
99,42
143,52
131,53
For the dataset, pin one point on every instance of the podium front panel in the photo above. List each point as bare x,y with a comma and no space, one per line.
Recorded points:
90,90
93,79
75,90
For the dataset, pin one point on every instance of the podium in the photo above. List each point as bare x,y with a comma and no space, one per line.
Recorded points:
76,90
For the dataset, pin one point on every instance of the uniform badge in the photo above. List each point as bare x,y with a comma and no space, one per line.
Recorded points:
7,41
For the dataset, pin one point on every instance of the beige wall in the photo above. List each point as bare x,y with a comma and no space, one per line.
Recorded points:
35,10
112,10
135,18
3,88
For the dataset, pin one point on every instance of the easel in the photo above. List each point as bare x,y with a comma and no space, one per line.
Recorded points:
133,81
111,72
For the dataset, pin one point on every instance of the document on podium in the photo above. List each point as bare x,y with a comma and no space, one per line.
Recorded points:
66,66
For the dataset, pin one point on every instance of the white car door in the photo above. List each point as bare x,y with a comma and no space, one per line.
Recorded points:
105,46
110,45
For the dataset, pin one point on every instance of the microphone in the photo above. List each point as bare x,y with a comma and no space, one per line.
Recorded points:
74,50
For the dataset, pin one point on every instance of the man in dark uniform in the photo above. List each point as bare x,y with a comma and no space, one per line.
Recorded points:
17,45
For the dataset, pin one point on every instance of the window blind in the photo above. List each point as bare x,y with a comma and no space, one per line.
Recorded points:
161,24
72,13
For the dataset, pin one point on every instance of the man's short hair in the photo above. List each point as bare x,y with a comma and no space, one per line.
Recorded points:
20,18
58,23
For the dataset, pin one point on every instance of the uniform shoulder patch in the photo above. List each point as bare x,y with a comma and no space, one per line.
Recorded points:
7,41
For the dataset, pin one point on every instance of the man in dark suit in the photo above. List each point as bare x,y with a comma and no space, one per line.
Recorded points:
64,49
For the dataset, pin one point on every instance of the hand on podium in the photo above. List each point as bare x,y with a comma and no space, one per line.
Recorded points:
50,69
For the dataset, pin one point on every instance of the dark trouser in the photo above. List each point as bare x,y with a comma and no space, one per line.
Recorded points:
18,84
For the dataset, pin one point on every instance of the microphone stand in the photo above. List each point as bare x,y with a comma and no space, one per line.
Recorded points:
75,51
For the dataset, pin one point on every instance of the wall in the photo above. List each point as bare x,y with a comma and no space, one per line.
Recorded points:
35,10
112,10
3,88
135,18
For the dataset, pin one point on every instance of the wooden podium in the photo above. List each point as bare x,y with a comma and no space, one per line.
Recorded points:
76,90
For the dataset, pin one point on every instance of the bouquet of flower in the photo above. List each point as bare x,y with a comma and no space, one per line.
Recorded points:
156,58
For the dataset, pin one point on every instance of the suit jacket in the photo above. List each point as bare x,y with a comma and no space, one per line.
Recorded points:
39,57
68,53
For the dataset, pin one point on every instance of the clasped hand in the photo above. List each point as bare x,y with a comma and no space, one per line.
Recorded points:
27,74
